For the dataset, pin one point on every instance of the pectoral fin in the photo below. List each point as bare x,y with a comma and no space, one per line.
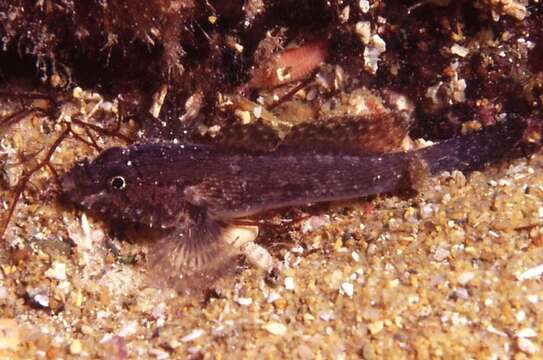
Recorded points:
194,254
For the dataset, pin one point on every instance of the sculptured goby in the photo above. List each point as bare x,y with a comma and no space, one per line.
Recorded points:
196,191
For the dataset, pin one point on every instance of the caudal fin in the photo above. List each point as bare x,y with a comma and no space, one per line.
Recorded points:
474,151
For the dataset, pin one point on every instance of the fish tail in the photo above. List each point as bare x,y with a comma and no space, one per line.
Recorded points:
474,151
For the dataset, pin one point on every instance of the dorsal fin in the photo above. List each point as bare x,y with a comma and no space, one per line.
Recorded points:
362,121
250,138
369,134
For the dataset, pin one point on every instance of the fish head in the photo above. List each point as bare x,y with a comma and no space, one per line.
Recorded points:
112,187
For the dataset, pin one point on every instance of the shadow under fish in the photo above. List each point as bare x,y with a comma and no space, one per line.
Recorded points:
195,192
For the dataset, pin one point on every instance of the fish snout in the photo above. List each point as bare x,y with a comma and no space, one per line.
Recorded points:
72,183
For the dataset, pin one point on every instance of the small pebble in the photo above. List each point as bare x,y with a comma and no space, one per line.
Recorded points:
297,250
57,271
364,6
520,315
101,314
491,329
289,283
526,333
531,273
244,301
355,256
244,116
347,289
426,211
441,253
459,50
195,351
195,334
363,29
3,292
462,293
465,278
376,327
76,347
273,296
158,311
159,354
106,338
326,315
129,329
315,223
275,328
257,111
527,346
41,300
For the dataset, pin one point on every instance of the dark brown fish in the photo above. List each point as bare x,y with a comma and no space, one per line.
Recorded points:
196,190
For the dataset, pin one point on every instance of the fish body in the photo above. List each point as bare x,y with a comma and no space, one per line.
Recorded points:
153,183
196,190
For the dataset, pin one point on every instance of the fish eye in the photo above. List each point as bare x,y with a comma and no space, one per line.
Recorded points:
117,183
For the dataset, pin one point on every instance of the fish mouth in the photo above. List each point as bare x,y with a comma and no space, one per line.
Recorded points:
71,183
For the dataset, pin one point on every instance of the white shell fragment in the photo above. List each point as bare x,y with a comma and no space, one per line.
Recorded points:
57,271
257,256
193,335
158,101
289,283
459,50
237,235
526,333
527,346
347,289
530,273
242,238
275,328
244,301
